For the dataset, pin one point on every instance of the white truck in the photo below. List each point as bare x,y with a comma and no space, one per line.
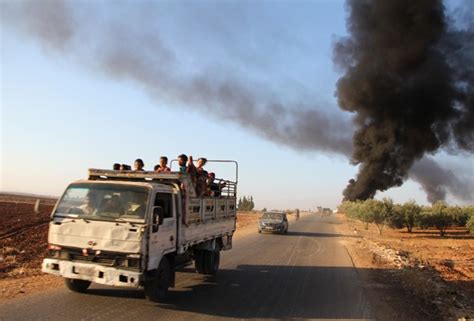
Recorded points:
135,229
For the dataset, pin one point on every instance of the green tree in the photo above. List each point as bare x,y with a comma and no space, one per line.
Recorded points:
362,212
397,219
411,213
440,217
246,204
470,222
470,225
460,215
379,212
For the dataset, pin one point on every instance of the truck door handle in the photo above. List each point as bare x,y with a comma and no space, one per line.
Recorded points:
171,238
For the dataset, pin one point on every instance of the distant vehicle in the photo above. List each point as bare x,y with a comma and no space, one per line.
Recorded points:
273,222
134,229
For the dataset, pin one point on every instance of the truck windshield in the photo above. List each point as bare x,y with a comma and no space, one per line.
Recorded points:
273,216
111,202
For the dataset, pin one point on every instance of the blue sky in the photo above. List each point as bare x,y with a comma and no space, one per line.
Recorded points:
60,115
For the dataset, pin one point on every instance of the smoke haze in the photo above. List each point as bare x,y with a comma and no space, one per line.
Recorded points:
437,181
408,97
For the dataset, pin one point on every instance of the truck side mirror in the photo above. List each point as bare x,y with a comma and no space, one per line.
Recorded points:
158,215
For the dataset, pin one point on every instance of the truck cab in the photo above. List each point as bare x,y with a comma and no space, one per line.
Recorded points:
135,229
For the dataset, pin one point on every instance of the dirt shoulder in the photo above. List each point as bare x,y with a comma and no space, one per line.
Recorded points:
413,276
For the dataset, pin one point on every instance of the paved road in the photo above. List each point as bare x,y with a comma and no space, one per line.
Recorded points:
306,274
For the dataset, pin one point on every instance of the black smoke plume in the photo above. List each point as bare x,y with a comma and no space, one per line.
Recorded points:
409,79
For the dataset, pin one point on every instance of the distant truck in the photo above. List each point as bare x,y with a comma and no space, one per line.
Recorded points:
135,229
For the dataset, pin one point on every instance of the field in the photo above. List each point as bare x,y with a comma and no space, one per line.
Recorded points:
23,234
436,272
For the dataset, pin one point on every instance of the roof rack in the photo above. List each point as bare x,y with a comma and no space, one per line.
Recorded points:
141,175
176,178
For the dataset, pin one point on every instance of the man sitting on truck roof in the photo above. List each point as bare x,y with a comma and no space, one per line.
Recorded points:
138,165
163,167
182,159
125,167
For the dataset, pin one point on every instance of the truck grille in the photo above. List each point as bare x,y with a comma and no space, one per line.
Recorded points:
96,259
110,259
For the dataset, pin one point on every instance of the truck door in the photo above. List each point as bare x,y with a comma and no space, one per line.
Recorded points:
162,238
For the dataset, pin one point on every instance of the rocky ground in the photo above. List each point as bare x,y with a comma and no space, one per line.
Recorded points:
417,271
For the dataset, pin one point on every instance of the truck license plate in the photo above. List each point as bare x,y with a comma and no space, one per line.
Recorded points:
84,270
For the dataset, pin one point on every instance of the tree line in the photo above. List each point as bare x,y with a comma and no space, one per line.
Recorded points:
246,204
409,215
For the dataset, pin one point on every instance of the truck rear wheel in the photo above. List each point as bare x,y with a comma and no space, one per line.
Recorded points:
75,285
199,261
156,289
211,262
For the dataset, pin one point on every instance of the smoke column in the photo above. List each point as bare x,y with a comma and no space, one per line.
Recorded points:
408,80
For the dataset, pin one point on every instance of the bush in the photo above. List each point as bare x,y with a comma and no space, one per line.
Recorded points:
470,224
460,215
396,220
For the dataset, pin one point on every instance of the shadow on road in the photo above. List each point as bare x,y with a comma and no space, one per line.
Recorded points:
117,292
261,291
269,291
312,234
283,292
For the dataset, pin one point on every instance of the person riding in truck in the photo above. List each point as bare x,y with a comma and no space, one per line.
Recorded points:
163,166
138,165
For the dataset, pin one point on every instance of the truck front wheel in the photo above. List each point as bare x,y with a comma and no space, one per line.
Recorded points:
156,289
75,285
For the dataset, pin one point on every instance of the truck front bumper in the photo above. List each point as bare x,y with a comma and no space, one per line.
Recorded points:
92,272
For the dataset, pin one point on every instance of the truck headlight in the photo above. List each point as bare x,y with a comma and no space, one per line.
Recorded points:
58,254
129,262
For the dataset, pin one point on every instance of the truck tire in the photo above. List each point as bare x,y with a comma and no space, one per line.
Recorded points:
156,289
75,285
211,262
199,261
